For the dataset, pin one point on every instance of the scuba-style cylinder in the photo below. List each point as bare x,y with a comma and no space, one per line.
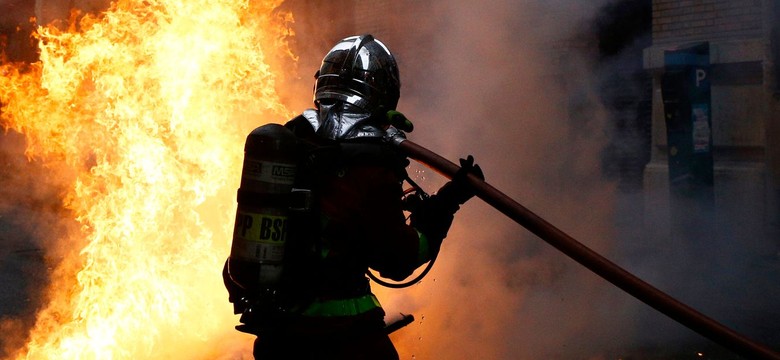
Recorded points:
261,227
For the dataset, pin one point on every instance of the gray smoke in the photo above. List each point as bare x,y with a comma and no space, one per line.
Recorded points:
32,217
523,87
509,86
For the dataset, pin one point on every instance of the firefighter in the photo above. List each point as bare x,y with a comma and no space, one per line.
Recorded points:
355,220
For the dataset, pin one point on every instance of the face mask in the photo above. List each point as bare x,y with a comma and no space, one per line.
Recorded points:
340,120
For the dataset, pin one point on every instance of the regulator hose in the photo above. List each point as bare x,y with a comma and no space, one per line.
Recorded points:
416,189
598,264
404,284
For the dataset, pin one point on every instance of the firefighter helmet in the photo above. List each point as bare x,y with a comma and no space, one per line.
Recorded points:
359,71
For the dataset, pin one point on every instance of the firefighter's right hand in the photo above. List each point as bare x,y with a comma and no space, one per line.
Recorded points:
433,216
458,190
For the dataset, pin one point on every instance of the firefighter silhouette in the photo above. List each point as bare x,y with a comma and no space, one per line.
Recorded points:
321,202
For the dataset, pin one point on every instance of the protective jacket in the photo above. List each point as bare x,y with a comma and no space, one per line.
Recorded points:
358,186
357,190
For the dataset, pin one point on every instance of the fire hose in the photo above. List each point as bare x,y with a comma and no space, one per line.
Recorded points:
598,264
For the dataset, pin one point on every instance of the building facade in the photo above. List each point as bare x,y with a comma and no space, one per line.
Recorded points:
743,49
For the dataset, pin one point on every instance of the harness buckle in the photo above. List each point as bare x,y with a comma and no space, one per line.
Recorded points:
300,199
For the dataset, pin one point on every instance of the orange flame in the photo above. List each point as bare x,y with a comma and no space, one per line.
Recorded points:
147,105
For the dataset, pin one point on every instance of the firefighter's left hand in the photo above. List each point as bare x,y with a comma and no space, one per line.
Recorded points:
433,217
458,190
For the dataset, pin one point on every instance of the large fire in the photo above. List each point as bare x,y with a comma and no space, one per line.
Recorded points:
147,106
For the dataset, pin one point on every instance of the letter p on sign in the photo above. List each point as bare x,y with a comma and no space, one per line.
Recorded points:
700,75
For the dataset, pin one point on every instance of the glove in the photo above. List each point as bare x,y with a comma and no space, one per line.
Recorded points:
433,216
457,191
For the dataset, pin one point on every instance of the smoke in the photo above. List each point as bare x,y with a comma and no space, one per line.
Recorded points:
527,90
514,85
511,84
524,88
31,217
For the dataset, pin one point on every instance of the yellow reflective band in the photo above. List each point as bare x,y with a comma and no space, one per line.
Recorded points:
343,307
264,228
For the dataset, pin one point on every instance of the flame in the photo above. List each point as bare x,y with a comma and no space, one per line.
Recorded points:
147,106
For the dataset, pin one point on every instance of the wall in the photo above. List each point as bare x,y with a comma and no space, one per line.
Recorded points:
676,21
743,122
